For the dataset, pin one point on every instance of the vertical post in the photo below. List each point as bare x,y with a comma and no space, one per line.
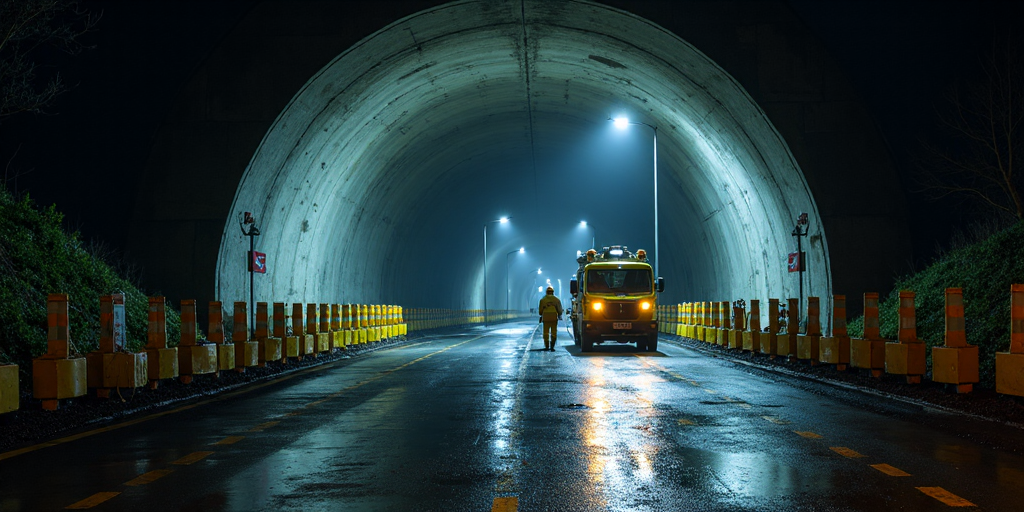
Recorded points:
908,320
59,331
1010,364
241,323
871,329
156,336
657,260
956,336
956,363
188,323
215,332
907,355
1017,318
485,275
262,329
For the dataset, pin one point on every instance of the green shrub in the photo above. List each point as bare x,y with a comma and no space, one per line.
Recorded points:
38,257
985,271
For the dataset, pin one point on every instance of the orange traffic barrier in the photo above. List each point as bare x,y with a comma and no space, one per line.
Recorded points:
770,342
246,351
194,358
752,337
225,350
281,330
786,344
111,366
807,345
869,352
835,349
738,325
162,361
56,375
1010,364
955,363
268,347
905,356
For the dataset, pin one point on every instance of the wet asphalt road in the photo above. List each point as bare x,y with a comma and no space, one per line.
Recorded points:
485,420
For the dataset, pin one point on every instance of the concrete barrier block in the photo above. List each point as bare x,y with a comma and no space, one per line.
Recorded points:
785,345
9,398
291,346
197,359
834,350
736,339
247,353
308,345
955,365
323,342
162,363
769,343
752,341
53,379
867,354
905,359
270,350
225,356
1010,373
808,348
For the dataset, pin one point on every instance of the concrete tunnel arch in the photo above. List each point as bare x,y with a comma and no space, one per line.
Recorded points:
386,158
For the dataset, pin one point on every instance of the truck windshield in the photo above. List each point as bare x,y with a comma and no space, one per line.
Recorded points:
624,281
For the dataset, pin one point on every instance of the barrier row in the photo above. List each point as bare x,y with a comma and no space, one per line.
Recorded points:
310,330
421,318
955,363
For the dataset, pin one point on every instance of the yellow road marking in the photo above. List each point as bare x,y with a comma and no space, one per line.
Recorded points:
262,426
743,405
711,391
146,478
92,501
686,422
510,504
318,402
230,440
889,470
777,421
191,458
808,435
846,452
946,497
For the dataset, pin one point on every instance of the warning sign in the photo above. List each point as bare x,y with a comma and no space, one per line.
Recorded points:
796,261
258,263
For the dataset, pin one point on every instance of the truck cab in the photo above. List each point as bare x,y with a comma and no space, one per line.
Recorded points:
615,299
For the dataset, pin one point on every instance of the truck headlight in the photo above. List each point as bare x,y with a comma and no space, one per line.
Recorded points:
645,305
597,306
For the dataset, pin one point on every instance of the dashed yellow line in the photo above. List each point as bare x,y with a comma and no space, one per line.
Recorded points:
889,470
229,440
808,435
92,501
263,426
191,458
510,504
846,452
686,422
777,421
150,477
946,497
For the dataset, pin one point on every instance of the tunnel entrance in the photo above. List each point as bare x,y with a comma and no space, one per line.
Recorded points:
378,180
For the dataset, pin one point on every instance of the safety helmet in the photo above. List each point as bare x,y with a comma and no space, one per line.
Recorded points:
551,291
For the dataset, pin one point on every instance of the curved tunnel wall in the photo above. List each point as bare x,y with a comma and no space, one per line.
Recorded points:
375,178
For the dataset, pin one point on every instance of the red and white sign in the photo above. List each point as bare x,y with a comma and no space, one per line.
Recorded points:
258,263
796,262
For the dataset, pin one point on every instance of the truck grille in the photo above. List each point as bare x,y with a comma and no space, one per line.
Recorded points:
620,310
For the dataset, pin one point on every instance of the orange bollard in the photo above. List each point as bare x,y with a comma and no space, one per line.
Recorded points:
786,346
770,342
957,362
56,375
269,347
296,343
836,348
110,366
162,361
1010,364
323,332
905,356
246,351
194,358
752,336
738,325
869,352
807,345
225,350
311,330
281,330
337,336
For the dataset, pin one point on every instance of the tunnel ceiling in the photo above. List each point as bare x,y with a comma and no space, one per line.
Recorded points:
375,182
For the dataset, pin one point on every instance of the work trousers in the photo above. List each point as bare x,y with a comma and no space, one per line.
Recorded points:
550,334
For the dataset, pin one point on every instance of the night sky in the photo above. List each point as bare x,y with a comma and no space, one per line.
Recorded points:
84,155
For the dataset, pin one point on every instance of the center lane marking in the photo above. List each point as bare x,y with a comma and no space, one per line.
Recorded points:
150,477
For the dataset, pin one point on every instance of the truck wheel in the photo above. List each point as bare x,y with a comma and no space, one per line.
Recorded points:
587,343
652,344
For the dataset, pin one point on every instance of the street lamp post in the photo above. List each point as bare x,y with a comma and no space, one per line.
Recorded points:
520,251
500,221
593,239
622,123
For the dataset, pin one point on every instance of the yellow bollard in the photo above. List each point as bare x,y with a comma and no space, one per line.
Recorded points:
869,352
364,323
724,326
836,348
281,333
807,345
313,327
269,347
194,358
337,337
905,356
786,344
225,350
297,341
110,366
324,329
247,353
55,375
752,336
162,361
770,341
957,362
1010,364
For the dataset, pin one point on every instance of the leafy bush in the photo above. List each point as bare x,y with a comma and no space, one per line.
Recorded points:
985,271
38,257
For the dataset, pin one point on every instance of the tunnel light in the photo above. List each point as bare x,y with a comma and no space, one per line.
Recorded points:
645,305
522,250
503,220
538,271
583,223
621,122
540,288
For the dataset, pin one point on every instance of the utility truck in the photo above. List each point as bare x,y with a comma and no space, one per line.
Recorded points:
614,299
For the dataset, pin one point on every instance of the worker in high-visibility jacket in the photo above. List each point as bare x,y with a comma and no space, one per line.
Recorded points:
550,310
